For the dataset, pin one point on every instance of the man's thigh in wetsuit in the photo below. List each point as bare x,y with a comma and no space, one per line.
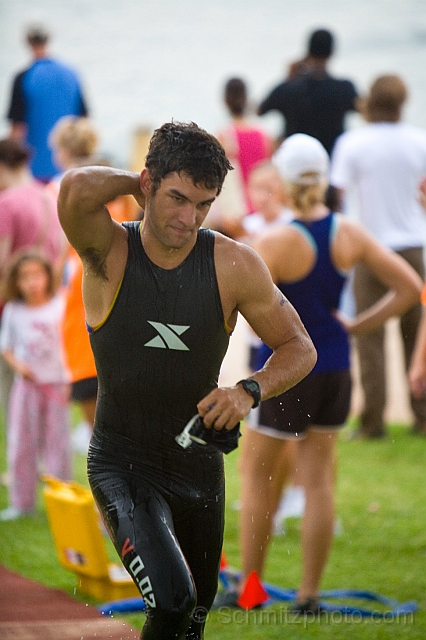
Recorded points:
200,535
165,548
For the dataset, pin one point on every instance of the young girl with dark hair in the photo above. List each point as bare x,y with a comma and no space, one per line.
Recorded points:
38,417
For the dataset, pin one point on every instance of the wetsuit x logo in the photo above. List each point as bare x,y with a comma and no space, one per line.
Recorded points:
168,336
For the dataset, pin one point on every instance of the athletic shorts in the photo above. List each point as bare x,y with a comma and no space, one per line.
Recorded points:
84,389
319,401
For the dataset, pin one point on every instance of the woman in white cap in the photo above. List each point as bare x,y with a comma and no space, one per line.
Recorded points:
309,259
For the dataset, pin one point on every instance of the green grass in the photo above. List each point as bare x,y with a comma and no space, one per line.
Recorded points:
381,505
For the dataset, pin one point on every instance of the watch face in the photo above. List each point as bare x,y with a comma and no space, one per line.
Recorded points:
252,386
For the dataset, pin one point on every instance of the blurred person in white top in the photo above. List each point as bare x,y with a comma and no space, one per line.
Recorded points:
384,163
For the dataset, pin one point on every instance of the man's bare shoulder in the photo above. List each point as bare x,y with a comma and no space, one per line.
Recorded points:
242,274
234,256
243,278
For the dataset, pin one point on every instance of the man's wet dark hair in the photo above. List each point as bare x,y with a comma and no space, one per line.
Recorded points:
321,44
178,147
13,153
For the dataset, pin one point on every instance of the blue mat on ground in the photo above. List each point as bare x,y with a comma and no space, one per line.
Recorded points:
229,577
390,607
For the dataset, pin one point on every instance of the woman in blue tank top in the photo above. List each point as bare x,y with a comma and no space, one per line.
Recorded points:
309,259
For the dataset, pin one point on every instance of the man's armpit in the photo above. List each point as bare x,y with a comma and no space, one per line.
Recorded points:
95,263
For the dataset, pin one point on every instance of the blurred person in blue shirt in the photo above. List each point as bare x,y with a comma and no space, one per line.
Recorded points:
42,94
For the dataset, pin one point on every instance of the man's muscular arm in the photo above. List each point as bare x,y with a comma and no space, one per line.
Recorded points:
82,212
242,272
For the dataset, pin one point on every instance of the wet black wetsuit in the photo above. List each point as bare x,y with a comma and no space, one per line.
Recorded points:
157,354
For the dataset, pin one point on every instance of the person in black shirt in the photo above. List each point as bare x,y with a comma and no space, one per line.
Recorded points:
161,298
311,100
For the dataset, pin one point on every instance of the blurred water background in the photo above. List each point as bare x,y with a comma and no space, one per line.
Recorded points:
143,63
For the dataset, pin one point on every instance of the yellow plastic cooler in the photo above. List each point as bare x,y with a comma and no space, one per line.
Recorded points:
75,525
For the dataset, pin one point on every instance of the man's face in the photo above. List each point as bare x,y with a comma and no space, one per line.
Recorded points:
177,209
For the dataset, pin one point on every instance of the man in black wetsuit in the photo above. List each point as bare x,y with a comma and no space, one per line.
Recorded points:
161,299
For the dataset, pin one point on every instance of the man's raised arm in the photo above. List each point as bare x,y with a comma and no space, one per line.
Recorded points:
81,206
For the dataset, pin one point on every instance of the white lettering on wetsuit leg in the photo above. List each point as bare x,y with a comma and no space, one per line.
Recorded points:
136,566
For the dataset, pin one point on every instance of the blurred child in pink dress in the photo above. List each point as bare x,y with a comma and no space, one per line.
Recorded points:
38,418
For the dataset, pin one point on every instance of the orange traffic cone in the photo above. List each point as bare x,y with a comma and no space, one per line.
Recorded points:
253,594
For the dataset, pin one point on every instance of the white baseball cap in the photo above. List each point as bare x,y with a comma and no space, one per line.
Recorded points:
301,154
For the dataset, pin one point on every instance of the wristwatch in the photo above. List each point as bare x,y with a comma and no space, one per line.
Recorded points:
252,387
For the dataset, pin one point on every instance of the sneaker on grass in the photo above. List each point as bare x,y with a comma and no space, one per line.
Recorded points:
310,606
226,598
